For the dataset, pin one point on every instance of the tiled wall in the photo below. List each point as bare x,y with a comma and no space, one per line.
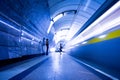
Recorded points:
17,17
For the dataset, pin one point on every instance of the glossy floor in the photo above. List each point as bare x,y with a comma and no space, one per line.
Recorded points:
56,66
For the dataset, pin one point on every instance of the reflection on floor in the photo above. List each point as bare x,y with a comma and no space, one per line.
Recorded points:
52,67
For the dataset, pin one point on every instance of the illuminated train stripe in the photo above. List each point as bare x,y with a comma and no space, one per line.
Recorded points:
111,35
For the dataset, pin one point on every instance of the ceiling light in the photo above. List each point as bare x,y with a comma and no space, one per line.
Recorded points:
50,26
57,17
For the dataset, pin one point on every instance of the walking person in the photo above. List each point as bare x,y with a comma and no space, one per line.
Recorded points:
61,48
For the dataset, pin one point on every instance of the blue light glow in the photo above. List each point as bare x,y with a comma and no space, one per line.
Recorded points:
9,25
104,23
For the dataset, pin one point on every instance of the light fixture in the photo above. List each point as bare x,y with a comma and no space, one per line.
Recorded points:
23,32
50,26
60,16
25,39
102,36
33,38
57,17
9,25
84,42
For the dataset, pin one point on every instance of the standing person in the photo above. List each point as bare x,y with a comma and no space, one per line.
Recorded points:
47,46
40,47
43,46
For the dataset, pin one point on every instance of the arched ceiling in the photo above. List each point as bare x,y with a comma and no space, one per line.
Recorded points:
75,14
72,21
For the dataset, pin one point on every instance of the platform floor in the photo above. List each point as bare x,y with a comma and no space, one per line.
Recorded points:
51,67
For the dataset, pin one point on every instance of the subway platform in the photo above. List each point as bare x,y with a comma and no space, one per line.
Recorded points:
55,66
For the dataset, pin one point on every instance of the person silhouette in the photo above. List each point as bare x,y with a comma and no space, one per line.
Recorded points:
61,48
47,46
43,46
